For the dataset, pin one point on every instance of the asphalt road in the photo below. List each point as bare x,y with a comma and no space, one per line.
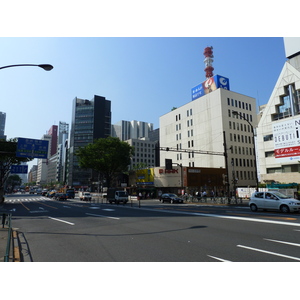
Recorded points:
76,231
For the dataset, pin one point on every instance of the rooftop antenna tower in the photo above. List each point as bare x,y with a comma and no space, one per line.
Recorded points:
208,53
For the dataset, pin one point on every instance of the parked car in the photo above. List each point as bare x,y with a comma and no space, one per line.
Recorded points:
172,198
273,201
61,196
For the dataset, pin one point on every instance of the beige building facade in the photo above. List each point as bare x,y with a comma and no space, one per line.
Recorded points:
199,133
278,132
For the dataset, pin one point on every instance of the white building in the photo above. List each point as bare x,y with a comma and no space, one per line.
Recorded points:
278,129
126,130
144,153
200,127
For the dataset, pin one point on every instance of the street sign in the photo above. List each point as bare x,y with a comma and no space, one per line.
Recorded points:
19,169
32,148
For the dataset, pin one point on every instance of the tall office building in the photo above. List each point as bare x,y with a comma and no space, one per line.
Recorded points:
42,170
2,125
91,119
278,133
53,132
62,151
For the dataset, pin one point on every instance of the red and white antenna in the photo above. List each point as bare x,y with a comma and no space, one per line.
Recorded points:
208,53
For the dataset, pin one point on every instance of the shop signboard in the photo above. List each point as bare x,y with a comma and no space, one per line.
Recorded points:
286,136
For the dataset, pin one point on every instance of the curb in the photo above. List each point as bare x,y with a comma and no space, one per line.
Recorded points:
16,248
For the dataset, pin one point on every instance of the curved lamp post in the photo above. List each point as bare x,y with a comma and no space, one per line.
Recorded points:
46,67
236,113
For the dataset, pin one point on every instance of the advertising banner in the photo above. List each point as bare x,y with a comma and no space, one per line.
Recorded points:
145,177
210,85
32,148
286,136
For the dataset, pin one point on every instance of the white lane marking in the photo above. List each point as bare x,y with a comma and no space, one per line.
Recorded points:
103,216
282,242
269,252
222,217
248,219
108,209
62,221
220,259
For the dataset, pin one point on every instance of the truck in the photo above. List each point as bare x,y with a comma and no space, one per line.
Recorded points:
70,193
85,196
117,195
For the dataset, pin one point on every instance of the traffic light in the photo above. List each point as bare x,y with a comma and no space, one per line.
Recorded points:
168,163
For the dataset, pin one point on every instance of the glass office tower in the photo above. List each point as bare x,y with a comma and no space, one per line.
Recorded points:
91,119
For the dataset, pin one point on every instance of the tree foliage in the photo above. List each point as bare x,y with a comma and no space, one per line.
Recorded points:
8,158
109,156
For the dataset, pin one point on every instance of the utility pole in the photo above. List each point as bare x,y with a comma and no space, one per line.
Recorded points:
226,166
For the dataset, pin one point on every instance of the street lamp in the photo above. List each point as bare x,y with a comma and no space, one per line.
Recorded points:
236,113
46,67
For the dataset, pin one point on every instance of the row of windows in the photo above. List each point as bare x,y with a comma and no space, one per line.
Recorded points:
144,155
284,169
238,126
240,138
244,175
189,112
239,104
242,162
242,150
143,145
244,116
142,149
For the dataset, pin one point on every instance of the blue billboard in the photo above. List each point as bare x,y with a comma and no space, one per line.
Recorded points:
210,85
19,169
32,148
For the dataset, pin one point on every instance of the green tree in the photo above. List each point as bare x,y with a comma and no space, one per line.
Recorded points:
8,158
12,181
108,156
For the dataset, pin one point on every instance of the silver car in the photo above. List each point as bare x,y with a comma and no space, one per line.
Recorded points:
273,201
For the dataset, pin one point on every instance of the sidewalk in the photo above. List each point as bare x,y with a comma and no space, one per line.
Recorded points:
3,244
14,252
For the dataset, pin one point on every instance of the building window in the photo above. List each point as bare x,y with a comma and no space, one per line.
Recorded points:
268,137
269,154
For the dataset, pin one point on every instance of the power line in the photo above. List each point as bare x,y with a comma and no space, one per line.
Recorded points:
190,151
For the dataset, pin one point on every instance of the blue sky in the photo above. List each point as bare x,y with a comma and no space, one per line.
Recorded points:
143,77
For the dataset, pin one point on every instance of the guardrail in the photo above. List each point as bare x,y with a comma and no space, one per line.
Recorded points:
6,220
